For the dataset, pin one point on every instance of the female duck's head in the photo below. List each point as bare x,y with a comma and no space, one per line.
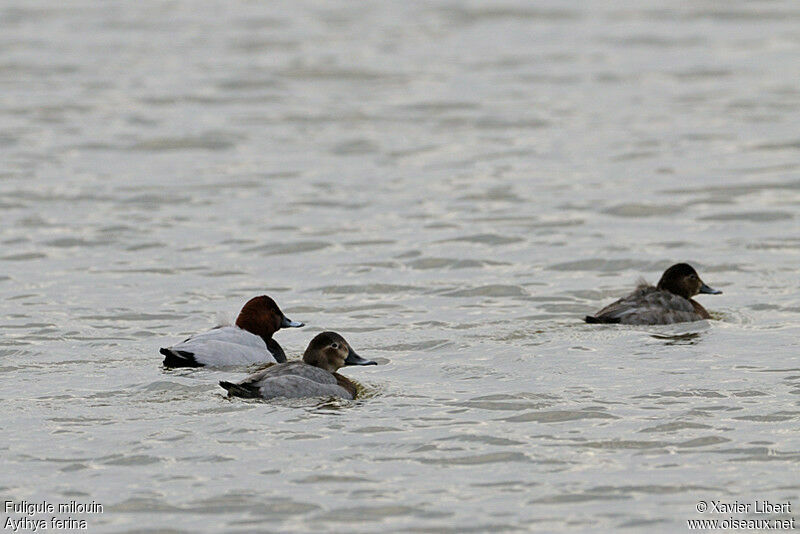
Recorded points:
681,279
330,351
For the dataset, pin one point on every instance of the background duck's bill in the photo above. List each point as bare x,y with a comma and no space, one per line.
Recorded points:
288,323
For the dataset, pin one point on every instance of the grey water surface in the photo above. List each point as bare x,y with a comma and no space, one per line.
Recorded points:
450,185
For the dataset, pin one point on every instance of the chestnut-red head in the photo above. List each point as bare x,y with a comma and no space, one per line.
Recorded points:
262,317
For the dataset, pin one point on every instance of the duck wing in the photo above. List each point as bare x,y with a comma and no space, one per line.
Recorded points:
647,305
229,334
294,387
301,369
292,379
289,386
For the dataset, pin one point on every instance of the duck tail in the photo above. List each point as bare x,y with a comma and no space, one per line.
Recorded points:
179,358
601,320
239,390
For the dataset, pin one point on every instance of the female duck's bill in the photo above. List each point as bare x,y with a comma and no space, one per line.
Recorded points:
668,302
246,343
314,376
709,290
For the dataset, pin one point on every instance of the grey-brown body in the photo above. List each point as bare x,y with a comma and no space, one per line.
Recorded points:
292,380
649,305
666,303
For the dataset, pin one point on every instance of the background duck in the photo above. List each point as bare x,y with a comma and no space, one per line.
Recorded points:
247,342
314,376
668,302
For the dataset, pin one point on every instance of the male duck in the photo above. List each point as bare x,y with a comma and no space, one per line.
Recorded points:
668,302
248,342
315,376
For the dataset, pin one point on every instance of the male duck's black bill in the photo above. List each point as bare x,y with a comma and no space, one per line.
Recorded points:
355,359
288,323
709,290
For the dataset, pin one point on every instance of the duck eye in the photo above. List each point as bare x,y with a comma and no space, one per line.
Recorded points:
334,345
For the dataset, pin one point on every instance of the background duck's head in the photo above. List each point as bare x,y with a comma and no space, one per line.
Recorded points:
683,280
330,351
262,317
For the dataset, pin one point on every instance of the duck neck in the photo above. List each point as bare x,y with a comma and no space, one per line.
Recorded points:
275,349
699,309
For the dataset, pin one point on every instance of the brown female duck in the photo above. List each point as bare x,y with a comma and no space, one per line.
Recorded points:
668,302
314,376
